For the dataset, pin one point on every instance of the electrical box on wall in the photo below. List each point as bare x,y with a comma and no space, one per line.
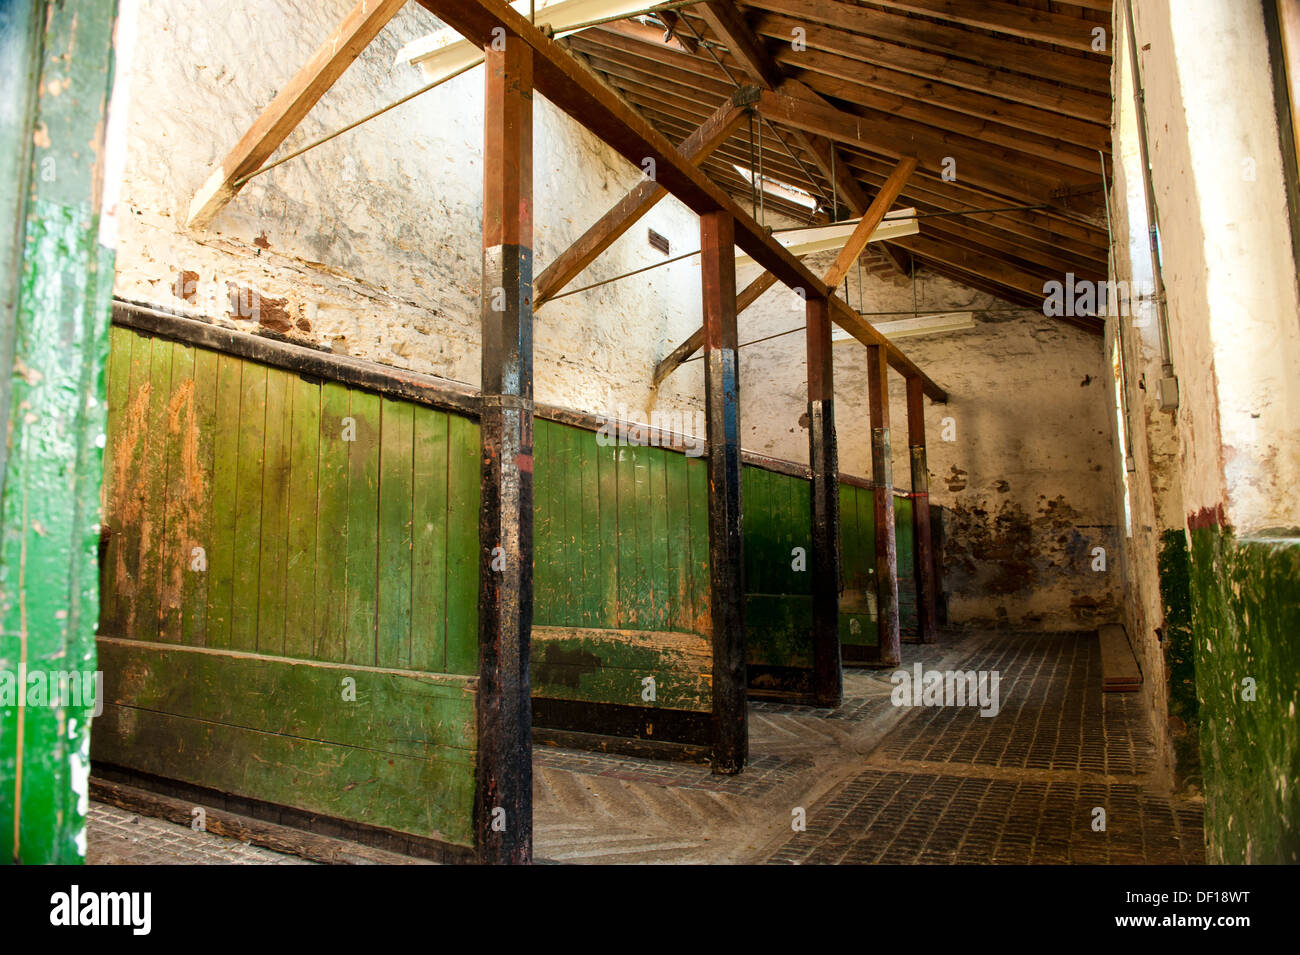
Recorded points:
1167,392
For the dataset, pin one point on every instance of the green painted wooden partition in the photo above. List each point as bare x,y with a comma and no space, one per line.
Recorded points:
778,595
290,587
621,563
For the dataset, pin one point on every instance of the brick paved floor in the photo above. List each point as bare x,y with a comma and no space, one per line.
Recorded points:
1024,786
118,837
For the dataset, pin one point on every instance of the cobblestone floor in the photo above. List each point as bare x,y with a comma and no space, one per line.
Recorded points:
118,837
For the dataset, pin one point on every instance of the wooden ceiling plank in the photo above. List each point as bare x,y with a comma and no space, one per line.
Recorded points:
1092,106
1071,33
1018,56
845,79
995,169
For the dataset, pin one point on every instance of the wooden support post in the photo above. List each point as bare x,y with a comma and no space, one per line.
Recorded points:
823,458
882,479
722,411
927,618
503,797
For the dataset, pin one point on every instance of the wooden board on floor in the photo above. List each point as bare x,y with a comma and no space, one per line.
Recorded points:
1119,668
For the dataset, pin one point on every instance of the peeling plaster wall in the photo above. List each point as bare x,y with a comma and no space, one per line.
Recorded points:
1153,546
370,244
1027,481
1228,258
1227,559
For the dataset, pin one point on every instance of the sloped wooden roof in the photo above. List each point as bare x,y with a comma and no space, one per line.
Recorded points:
1011,90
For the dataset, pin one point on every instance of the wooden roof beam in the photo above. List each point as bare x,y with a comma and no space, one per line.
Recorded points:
892,26
696,148
976,162
290,105
853,247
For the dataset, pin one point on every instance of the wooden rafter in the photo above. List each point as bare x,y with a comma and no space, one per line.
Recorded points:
572,89
588,247
868,224
290,105
1071,33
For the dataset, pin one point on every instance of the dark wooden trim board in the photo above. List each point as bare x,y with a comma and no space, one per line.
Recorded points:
441,393
281,828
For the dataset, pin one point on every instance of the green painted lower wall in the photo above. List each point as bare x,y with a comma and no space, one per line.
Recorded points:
1245,612
270,538
1180,657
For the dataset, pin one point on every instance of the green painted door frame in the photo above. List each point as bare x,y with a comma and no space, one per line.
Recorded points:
56,283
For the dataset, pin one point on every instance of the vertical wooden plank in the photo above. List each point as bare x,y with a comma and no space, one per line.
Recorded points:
429,541
462,544
363,531
248,507
823,506
396,464
792,525
332,531
543,564
800,508
608,516
659,579
678,536
198,572
882,468
572,585
273,560
153,481
225,490
922,542
643,562
758,530
592,597
304,491
726,565
183,500
697,479
129,488
117,388
625,466
850,538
